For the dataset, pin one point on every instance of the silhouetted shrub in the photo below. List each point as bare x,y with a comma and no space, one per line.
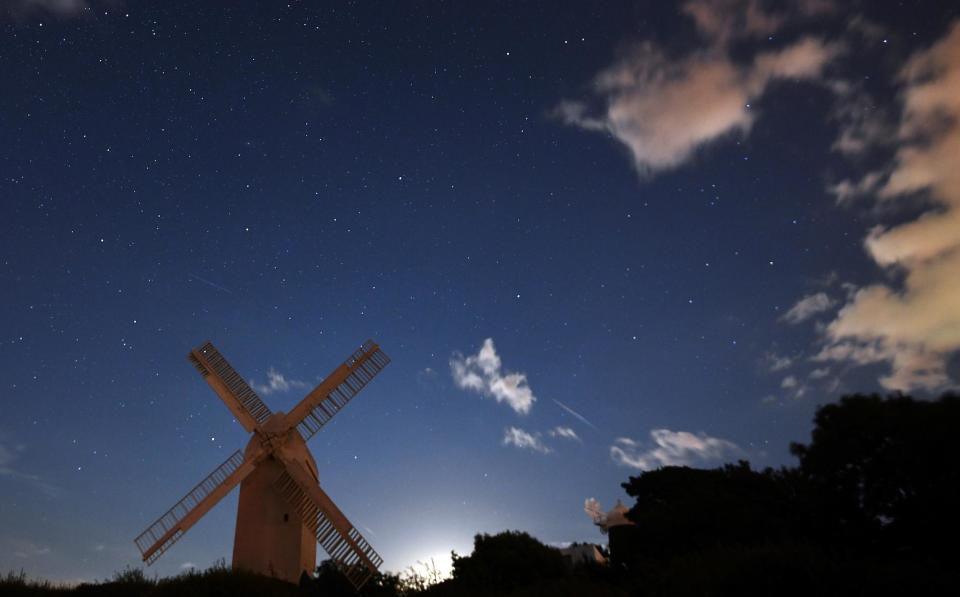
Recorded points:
506,560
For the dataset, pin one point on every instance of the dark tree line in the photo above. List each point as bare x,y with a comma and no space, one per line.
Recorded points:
871,508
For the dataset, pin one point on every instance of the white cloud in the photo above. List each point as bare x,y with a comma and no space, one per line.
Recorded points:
777,362
809,306
664,109
277,382
788,382
565,433
514,436
188,566
483,373
914,325
673,448
819,373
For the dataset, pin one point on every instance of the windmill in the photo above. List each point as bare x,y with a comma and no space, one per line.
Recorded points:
282,513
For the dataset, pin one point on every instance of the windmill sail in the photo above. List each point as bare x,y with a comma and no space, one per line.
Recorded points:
168,529
239,397
334,392
339,538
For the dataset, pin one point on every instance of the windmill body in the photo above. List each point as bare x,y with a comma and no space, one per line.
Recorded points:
282,513
270,537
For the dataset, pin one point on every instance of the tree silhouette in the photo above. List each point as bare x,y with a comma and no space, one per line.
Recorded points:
506,560
885,472
680,509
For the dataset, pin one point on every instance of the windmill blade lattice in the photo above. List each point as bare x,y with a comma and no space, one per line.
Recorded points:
334,392
217,371
168,529
344,544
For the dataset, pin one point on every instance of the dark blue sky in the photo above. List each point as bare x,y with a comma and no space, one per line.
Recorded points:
288,180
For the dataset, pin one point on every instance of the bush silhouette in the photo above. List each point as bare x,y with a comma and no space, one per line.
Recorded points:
506,560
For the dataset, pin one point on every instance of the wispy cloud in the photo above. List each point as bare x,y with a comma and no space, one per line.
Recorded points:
277,382
9,456
59,8
672,448
775,362
514,436
25,549
483,373
847,190
912,323
564,433
819,373
6,459
809,306
663,109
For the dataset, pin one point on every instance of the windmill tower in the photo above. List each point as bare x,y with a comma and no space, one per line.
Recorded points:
623,533
282,512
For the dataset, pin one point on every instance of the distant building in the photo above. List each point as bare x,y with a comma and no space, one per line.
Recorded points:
622,531
580,554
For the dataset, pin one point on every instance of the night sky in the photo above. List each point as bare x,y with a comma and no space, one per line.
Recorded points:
595,239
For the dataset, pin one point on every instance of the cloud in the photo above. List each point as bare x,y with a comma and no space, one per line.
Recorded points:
58,8
776,362
514,436
788,382
6,459
672,448
664,109
26,549
483,373
722,20
820,373
913,324
809,306
277,382
565,433
9,456
863,125
188,566
846,190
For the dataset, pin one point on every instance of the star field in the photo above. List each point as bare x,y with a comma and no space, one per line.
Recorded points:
288,180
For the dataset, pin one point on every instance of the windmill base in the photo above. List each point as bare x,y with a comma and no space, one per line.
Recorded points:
270,537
